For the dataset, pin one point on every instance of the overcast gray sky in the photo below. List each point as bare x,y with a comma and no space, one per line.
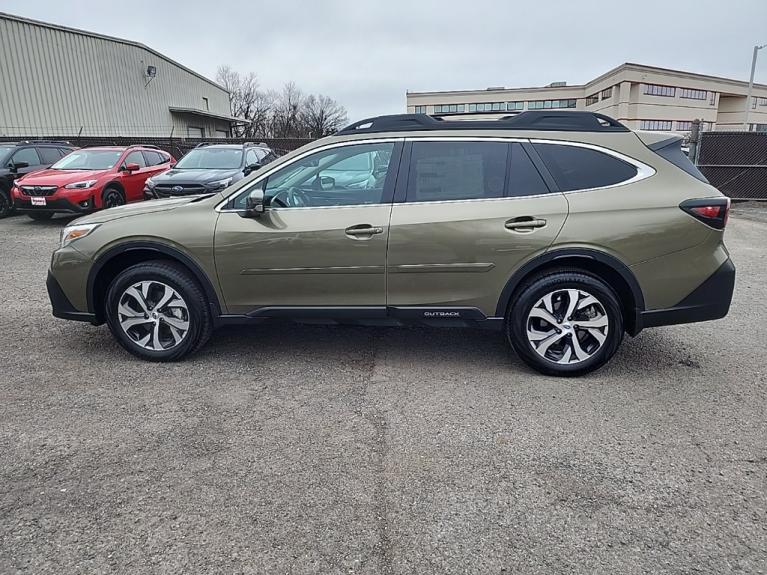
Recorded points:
366,54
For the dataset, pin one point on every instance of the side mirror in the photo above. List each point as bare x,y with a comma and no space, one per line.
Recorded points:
254,204
250,168
131,168
327,183
19,165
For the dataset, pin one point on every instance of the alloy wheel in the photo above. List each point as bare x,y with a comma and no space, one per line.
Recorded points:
113,199
153,315
567,326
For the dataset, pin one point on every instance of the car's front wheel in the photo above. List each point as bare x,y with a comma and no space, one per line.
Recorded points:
565,323
157,311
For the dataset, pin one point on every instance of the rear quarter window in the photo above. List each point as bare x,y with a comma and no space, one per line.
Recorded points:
578,168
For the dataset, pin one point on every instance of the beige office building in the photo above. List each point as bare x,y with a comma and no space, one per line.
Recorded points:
642,97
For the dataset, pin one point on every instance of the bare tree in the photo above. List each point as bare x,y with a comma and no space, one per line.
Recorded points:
286,118
322,116
284,114
244,97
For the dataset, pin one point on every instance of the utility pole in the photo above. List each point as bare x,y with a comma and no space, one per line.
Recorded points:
751,85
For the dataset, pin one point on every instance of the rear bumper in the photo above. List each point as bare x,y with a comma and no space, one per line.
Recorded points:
710,300
62,307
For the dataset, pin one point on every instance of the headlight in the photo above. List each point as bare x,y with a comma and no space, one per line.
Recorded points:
81,185
149,183
219,184
72,233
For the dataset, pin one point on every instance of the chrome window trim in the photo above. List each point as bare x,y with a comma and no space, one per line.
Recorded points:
644,171
269,171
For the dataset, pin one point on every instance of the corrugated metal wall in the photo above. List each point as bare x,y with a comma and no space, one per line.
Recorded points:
55,81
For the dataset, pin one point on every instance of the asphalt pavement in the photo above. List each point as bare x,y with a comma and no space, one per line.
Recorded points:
307,449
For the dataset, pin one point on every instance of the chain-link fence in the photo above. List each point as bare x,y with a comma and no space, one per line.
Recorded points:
177,147
735,163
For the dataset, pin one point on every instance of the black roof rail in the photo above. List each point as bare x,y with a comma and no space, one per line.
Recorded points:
57,142
548,120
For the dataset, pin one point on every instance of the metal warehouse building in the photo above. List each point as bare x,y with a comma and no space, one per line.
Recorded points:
58,81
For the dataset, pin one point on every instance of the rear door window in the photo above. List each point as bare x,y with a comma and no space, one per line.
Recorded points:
153,158
579,168
443,171
49,155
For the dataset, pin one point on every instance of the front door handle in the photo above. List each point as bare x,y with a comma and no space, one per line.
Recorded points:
524,224
363,231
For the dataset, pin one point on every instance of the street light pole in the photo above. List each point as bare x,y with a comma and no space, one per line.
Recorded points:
751,85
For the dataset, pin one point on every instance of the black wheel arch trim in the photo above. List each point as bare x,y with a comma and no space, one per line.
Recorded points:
168,251
583,253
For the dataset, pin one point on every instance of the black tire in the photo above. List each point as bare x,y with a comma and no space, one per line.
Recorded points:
179,279
532,293
112,197
40,216
6,206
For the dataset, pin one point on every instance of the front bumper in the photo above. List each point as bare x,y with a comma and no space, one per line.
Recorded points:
710,300
62,307
74,203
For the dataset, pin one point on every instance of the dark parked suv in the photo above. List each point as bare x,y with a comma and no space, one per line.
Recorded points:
19,158
209,168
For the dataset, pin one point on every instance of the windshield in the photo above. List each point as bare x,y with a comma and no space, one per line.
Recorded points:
211,159
88,160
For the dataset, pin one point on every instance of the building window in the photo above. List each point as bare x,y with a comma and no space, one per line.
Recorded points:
420,109
449,108
757,127
691,94
549,104
514,106
684,126
607,93
712,98
193,132
488,107
593,99
655,124
205,103
658,90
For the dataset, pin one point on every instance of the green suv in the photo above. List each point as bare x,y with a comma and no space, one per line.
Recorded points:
562,229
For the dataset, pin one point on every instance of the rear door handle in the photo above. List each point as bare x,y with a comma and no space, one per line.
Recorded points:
363,231
524,224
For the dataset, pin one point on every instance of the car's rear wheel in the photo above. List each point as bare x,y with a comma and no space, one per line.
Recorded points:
112,198
565,323
6,207
157,311
40,216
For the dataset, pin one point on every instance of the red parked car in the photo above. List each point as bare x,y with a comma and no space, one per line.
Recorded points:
90,179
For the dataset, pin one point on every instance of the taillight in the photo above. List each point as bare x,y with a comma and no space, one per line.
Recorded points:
711,211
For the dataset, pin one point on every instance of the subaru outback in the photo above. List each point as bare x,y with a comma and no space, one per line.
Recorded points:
562,229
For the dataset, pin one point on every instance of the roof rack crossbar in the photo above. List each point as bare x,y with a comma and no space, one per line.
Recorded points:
557,120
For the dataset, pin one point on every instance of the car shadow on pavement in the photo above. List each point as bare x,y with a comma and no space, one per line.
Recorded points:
653,352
